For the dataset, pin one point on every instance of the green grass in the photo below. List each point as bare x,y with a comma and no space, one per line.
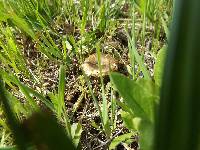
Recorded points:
38,35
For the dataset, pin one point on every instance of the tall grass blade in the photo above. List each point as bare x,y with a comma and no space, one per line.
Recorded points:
104,105
61,91
178,124
133,51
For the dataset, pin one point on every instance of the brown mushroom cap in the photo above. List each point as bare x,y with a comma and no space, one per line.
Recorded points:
91,68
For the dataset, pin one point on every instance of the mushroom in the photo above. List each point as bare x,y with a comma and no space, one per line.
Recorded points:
91,67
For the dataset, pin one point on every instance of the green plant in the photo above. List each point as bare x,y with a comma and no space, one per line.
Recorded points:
143,95
65,32
56,106
11,55
74,130
138,111
178,119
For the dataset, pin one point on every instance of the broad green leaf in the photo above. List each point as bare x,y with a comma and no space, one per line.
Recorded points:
145,129
146,136
124,107
146,94
130,121
139,95
123,85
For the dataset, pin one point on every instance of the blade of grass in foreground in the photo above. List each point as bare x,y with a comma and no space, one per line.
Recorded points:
9,148
46,133
20,138
178,123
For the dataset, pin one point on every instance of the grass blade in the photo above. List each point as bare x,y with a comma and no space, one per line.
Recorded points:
104,110
180,98
61,91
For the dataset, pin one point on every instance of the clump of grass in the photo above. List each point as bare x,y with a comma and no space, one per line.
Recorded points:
65,32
